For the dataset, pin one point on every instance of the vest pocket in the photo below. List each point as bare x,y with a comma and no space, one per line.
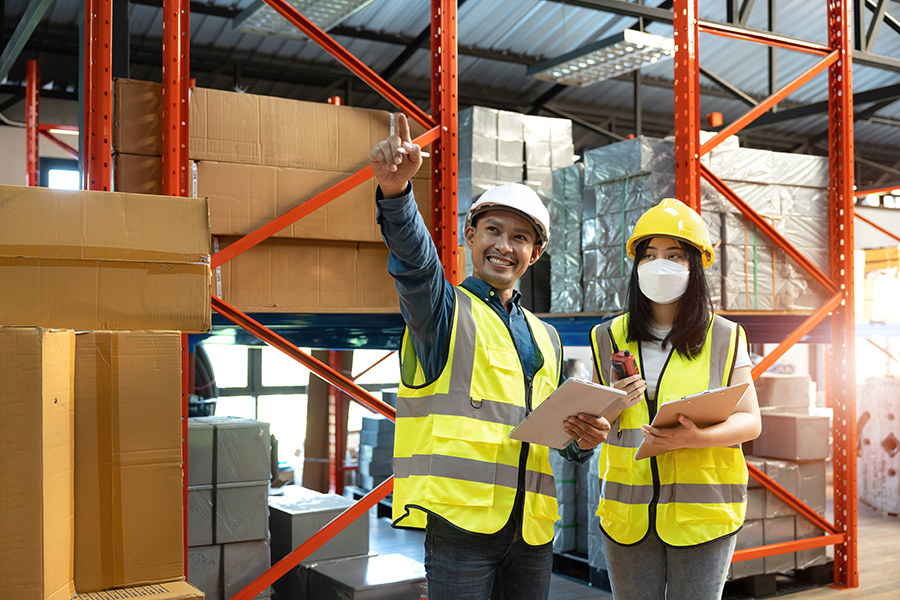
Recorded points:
502,382
701,496
464,461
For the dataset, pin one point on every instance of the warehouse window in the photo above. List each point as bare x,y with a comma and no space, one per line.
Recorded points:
60,174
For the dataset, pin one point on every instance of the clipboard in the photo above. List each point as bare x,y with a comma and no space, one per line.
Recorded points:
704,409
544,425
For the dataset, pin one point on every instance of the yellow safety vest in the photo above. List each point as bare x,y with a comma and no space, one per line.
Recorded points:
452,454
692,495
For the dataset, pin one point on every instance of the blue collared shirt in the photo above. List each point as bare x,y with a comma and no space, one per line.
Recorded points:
426,297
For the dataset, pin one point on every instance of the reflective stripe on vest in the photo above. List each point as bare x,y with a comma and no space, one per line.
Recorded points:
701,492
452,453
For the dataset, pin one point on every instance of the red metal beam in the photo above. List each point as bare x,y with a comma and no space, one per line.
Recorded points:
768,230
97,142
176,83
336,396
885,350
351,62
444,197
72,151
875,225
276,341
768,103
770,39
841,382
300,211
302,551
687,103
373,365
796,335
32,112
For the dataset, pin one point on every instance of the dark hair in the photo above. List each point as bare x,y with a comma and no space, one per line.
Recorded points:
694,308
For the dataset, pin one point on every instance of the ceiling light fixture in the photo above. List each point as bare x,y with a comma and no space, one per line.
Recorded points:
622,53
261,18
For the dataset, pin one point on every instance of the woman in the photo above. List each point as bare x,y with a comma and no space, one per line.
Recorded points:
669,521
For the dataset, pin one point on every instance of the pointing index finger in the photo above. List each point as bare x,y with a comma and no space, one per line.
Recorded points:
403,129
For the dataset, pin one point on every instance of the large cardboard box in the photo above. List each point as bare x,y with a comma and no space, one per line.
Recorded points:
789,393
102,260
228,450
128,495
792,436
174,590
243,198
36,469
249,129
282,275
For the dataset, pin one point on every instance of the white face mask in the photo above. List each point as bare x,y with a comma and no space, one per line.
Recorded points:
663,281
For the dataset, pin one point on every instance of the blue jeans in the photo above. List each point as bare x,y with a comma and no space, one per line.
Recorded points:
469,566
650,570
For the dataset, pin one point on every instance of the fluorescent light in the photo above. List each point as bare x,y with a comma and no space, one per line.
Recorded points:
63,131
622,53
261,18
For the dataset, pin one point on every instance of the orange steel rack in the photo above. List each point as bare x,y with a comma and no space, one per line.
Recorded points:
441,132
840,386
34,128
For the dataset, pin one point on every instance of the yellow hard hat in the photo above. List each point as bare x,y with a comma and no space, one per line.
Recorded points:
673,218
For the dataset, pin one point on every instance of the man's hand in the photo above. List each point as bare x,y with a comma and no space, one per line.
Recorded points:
395,160
589,431
684,435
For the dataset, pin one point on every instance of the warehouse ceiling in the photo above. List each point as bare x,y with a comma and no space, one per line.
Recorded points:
498,41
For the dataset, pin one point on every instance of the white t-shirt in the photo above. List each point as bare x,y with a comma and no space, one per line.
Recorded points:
654,358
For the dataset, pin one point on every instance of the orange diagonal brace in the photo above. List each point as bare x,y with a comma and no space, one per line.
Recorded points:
767,229
319,368
295,214
302,551
351,62
876,226
794,502
796,335
882,190
72,151
769,102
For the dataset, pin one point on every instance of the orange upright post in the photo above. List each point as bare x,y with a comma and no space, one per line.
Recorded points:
97,141
32,100
687,104
444,103
841,382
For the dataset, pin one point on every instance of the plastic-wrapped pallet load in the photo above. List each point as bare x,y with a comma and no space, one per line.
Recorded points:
566,267
750,272
879,486
565,528
391,576
376,452
599,571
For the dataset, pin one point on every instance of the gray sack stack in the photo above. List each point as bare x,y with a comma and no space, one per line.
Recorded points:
566,266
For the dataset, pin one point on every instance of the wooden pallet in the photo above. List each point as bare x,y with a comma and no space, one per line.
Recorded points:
769,585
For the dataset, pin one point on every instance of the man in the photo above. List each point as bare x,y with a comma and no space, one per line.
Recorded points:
473,364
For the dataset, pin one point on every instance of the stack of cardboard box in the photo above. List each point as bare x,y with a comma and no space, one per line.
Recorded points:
228,510
257,158
91,478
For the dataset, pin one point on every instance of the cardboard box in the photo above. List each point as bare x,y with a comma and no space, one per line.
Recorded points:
242,450
200,515
243,198
776,531
200,451
241,512
128,494
204,570
102,260
309,276
173,590
299,513
365,577
792,437
789,392
36,472
240,128
242,563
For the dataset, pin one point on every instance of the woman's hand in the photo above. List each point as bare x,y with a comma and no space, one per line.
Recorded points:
684,435
634,386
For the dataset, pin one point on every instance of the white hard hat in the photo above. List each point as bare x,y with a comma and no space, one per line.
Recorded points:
518,198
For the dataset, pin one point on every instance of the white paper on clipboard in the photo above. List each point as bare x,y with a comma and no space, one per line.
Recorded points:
544,425
704,409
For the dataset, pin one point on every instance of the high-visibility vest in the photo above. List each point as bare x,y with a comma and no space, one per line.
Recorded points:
692,495
452,454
